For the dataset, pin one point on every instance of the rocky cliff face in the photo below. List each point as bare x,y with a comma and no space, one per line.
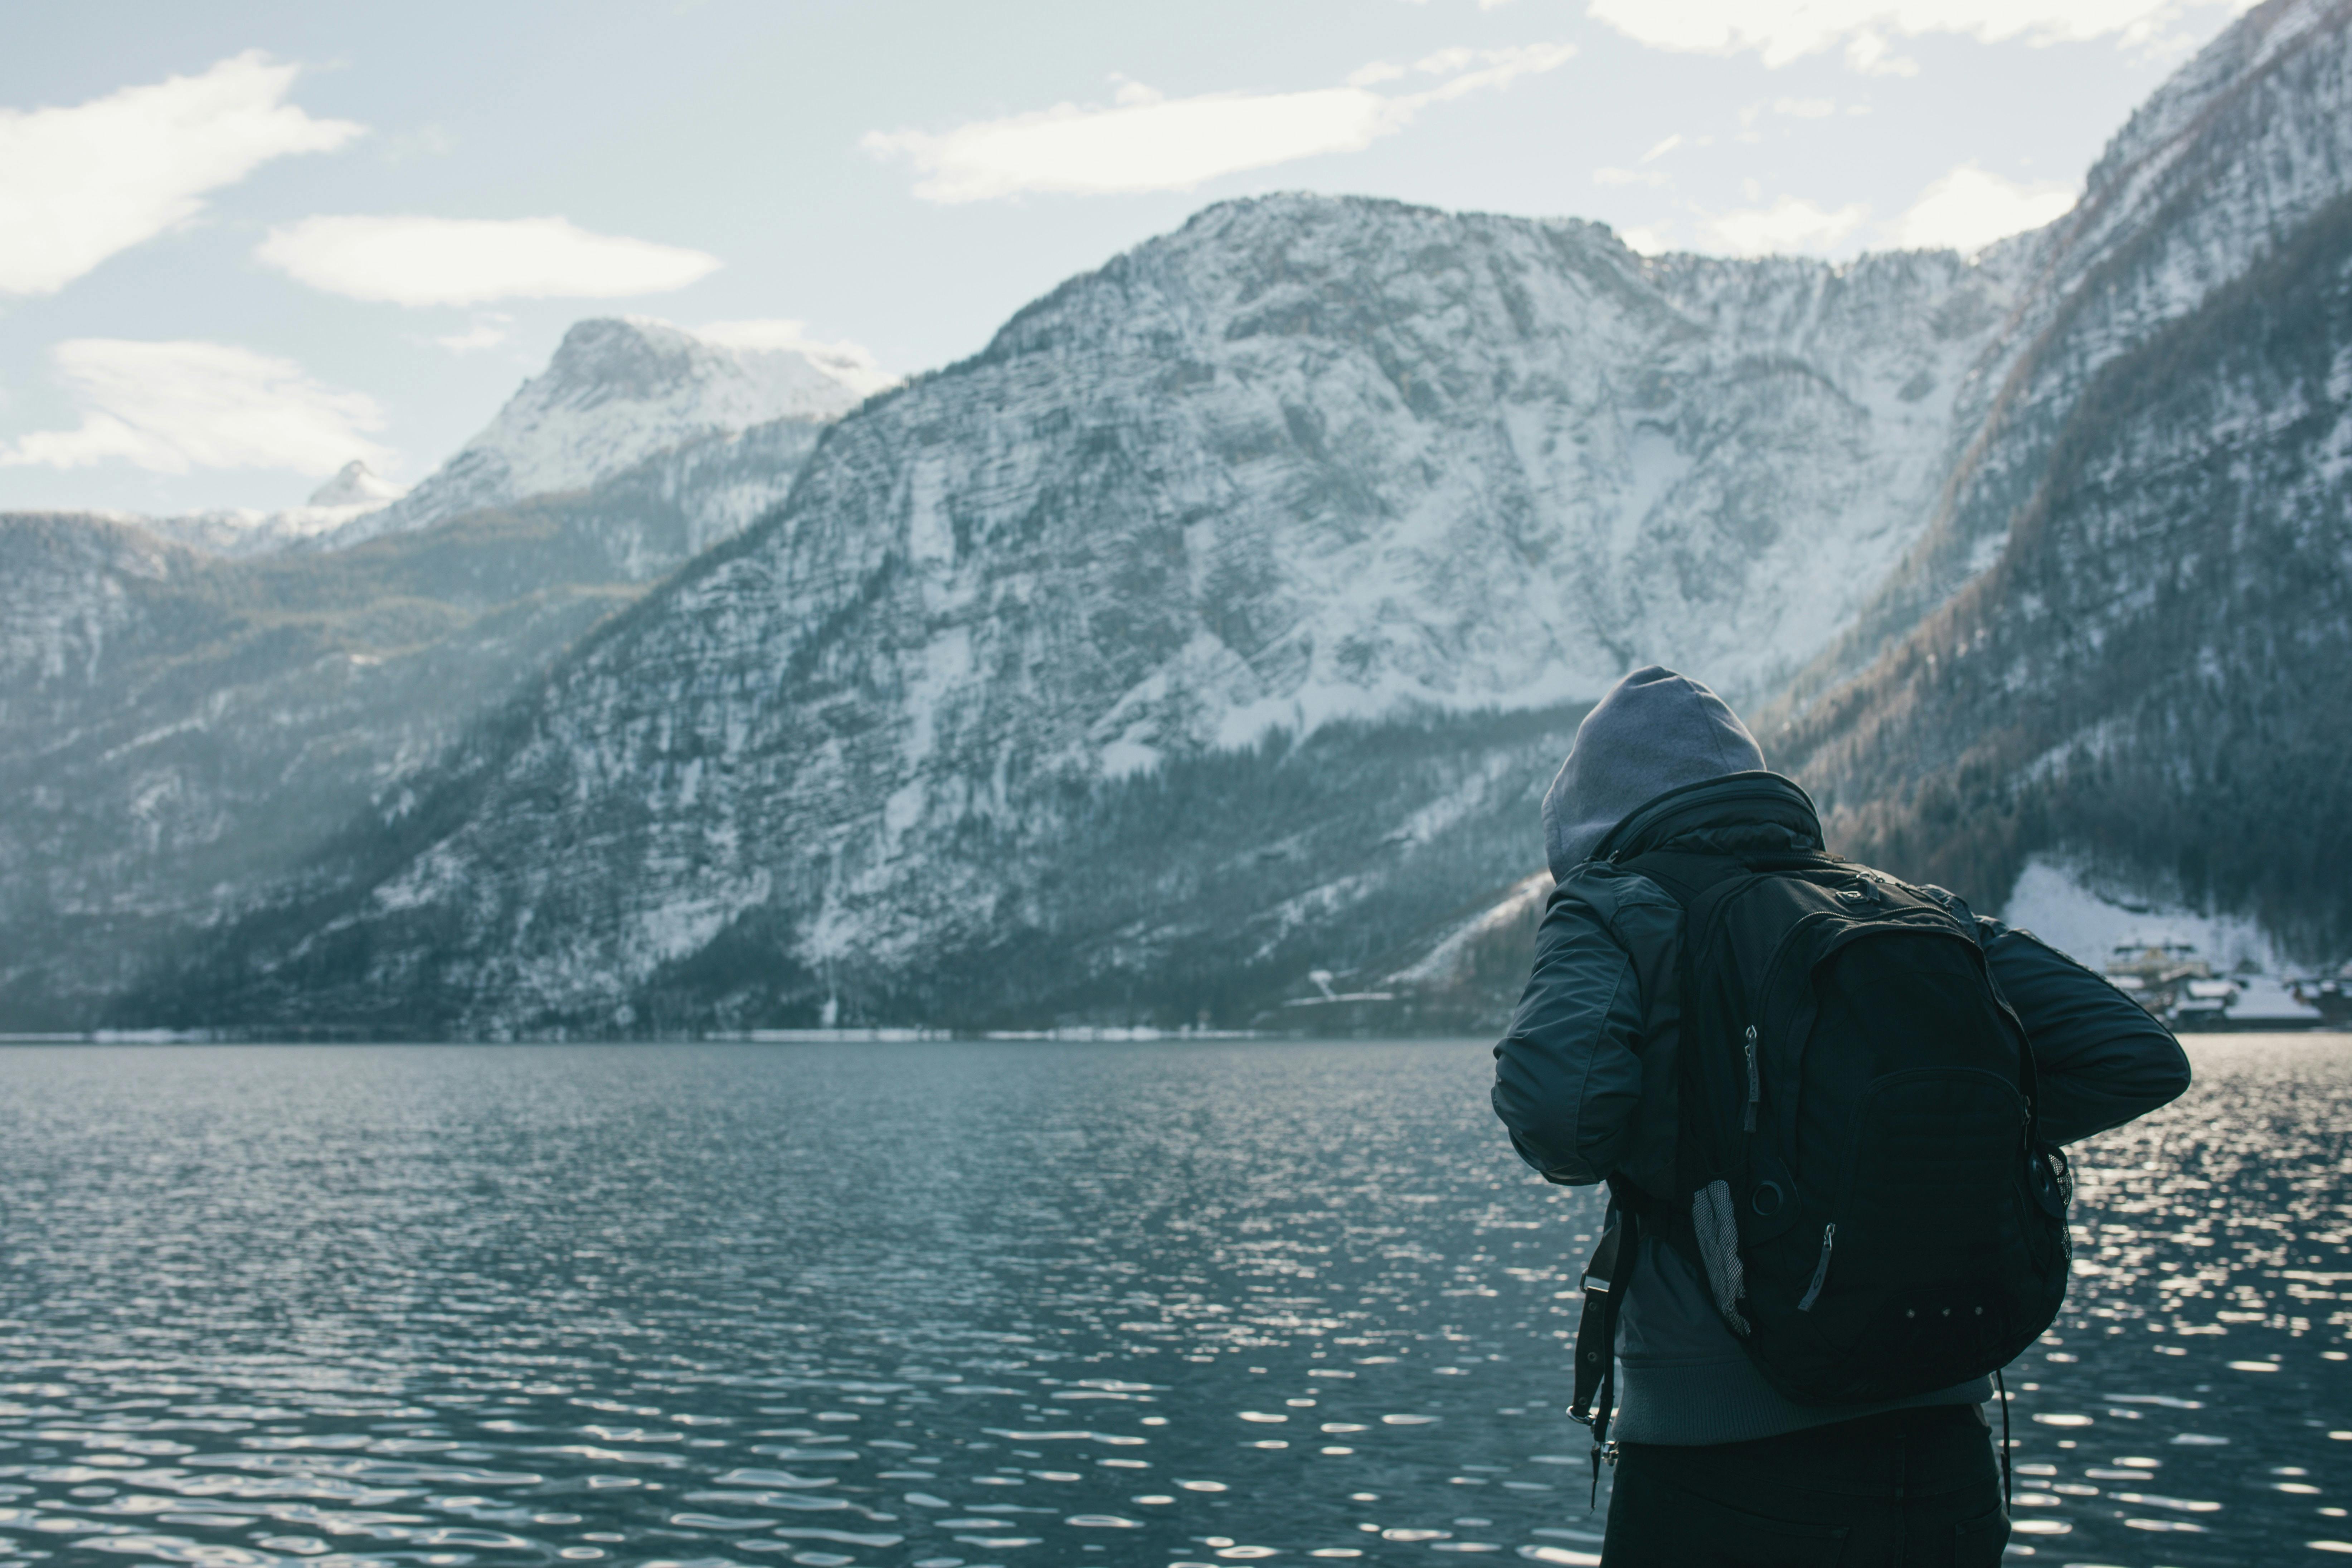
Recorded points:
179,731
1001,715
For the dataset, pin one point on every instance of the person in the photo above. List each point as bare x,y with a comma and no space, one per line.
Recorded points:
1714,1465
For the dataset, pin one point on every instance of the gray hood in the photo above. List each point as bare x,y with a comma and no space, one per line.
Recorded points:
1654,731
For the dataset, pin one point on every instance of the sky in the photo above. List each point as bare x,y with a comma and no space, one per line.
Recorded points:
242,245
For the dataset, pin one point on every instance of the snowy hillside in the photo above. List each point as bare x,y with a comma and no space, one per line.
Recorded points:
191,708
618,393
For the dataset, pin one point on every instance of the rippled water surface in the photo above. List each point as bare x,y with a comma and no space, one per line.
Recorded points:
999,1304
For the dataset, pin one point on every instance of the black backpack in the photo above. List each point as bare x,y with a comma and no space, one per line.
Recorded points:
1858,1171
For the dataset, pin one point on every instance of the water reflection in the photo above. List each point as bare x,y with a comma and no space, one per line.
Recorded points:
951,1306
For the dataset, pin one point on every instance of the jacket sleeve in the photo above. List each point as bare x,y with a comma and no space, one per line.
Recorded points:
2101,1058
1568,1075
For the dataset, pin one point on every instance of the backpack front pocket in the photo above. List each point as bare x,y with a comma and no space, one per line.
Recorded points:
1901,1288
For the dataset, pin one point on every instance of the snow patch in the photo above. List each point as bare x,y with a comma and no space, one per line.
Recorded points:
1123,759
2062,906
1444,962
673,931
904,808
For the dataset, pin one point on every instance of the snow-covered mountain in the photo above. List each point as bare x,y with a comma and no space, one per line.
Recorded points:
355,484
2149,692
1380,482
619,391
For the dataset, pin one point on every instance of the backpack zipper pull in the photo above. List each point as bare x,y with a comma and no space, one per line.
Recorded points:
1821,1269
1755,1085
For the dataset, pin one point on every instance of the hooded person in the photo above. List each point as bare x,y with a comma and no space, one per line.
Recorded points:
1715,1464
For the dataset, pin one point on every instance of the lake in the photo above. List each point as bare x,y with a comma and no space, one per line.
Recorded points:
1000,1303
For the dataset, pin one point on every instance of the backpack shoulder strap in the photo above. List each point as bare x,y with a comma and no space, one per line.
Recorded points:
1605,1279
1700,883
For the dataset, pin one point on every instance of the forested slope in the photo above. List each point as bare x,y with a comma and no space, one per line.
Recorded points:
2156,677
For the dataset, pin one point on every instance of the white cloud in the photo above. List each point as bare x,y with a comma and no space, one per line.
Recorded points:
1788,107
409,261
1965,210
1787,224
175,407
1661,149
1786,30
487,330
431,140
1494,68
78,184
1161,146
1970,209
853,365
1145,142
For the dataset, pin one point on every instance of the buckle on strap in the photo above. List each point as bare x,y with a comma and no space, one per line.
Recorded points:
1596,1330
1601,1268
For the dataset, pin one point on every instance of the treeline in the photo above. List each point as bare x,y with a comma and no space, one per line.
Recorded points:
1202,892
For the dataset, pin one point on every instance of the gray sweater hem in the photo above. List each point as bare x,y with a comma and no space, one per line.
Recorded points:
1688,1402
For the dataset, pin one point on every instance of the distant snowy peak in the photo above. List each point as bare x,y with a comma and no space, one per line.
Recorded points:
355,485
620,390
355,491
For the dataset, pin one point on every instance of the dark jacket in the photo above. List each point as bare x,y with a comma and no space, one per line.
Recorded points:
1577,1078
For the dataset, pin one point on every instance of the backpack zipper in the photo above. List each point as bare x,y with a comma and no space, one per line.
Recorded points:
1821,1269
1755,1085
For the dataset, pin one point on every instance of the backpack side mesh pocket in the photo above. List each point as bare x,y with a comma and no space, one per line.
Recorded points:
1717,1225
